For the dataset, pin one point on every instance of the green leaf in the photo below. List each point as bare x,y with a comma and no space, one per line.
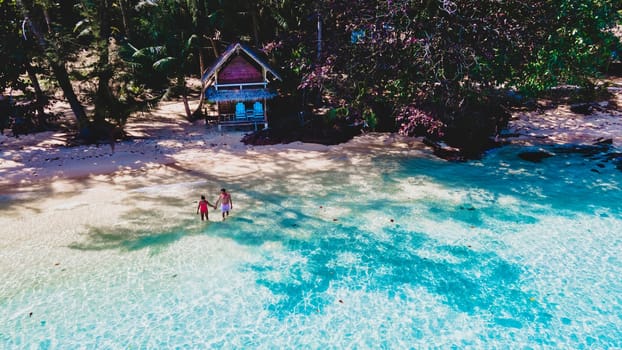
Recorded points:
193,41
164,64
80,26
85,32
152,52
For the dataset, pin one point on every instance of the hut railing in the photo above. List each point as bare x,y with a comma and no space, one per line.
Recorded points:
241,85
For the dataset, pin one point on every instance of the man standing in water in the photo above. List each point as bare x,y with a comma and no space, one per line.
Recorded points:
225,201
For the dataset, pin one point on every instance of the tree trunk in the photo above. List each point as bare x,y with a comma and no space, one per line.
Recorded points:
127,29
197,111
60,72
319,37
214,48
184,97
103,97
201,69
46,15
181,82
201,63
255,22
40,98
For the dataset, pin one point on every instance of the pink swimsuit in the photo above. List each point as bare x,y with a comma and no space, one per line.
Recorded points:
203,206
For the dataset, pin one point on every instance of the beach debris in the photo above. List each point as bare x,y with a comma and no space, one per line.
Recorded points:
603,142
582,108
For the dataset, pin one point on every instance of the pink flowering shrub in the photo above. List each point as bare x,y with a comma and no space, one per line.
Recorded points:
413,121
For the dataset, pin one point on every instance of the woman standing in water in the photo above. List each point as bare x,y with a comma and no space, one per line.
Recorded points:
203,203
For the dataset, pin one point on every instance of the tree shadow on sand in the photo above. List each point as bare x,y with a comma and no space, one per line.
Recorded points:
138,234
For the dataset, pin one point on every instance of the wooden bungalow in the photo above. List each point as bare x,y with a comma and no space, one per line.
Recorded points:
239,84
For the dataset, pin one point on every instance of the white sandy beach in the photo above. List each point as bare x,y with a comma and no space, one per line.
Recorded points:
164,144
561,126
165,138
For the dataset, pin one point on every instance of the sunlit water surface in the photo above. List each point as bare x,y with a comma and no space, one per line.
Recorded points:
391,252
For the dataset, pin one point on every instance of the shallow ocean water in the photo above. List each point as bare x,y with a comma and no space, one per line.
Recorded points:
378,250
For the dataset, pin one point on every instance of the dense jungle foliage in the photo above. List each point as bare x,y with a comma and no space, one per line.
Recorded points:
442,68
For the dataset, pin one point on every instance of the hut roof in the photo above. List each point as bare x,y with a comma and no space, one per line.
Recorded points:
224,58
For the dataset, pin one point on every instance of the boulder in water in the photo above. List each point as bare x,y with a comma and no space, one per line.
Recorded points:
535,156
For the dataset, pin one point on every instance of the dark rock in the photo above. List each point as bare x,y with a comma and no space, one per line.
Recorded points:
535,156
616,158
584,150
444,151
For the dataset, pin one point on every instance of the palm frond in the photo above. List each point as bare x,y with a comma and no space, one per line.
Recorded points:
152,52
281,21
85,32
193,41
146,3
80,26
164,64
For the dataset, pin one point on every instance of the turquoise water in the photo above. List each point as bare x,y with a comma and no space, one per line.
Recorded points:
375,251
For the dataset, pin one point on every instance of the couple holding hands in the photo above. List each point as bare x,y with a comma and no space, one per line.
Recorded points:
225,201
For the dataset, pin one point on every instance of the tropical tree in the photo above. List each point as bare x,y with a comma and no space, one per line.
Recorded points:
178,29
441,67
577,45
434,67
